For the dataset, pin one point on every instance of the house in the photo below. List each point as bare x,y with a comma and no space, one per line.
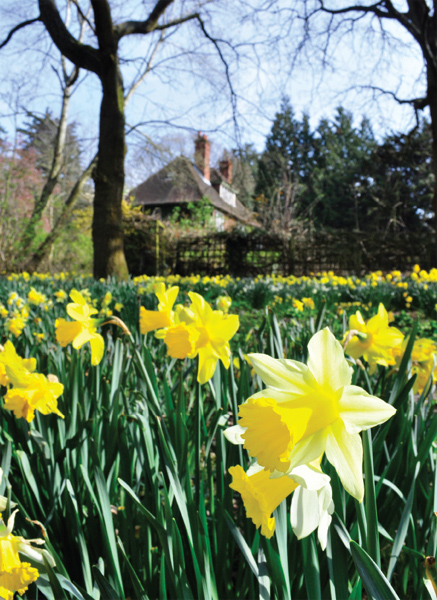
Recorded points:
183,181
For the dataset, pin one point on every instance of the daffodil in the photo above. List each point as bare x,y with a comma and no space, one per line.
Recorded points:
374,340
223,303
164,316
35,297
308,410
30,392
262,494
424,362
214,332
9,358
82,329
15,575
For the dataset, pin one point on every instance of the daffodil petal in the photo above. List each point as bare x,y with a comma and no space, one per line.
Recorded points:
233,435
207,365
345,453
287,375
309,477
360,411
97,348
326,361
82,338
304,512
308,449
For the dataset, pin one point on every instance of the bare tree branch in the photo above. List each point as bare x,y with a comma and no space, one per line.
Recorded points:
17,28
82,55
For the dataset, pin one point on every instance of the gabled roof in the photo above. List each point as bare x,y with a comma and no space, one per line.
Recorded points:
181,182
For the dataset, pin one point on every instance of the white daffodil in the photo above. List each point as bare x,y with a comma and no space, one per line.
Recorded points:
308,410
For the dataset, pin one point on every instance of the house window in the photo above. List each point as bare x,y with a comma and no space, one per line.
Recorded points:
228,196
219,220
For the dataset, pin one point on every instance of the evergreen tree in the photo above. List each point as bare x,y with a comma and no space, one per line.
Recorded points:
40,135
403,181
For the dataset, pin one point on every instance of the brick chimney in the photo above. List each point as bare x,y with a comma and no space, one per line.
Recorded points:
202,154
226,169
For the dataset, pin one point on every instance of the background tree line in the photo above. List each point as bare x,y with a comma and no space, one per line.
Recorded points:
339,176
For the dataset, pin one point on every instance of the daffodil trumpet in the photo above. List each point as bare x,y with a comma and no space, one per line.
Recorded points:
307,411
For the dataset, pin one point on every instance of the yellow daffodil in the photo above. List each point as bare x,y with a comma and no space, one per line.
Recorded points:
61,296
35,297
308,410
15,325
223,303
164,316
214,332
374,340
311,505
309,303
30,392
424,359
16,576
83,329
9,358
297,304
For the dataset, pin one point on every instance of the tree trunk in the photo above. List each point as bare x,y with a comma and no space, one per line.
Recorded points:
45,248
432,96
108,177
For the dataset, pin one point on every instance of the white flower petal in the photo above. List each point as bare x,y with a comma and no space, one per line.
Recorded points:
345,453
233,434
326,361
322,532
309,477
304,512
359,410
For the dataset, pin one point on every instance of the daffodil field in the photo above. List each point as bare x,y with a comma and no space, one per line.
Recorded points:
219,438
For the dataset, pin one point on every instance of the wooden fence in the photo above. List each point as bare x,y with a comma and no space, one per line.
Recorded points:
251,254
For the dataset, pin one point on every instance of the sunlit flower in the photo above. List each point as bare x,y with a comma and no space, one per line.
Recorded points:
16,576
30,392
307,410
15,325
9,358
297,304
164,316
214,332
374,340
223,303
35,297
61,296
262,494
308,302
83,329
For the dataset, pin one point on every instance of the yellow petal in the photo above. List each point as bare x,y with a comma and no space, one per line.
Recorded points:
66,331
261,495
326,361
207,365
180,341
97,348
345,452
153,319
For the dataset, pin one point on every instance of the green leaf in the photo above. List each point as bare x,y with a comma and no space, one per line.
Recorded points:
241,542
108,592
377,586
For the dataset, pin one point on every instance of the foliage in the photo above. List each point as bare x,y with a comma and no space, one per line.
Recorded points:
339,177
132,487
192,216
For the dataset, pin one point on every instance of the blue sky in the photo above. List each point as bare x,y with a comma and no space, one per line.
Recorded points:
190,92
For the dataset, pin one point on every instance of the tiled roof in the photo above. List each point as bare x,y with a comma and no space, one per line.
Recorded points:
181,181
